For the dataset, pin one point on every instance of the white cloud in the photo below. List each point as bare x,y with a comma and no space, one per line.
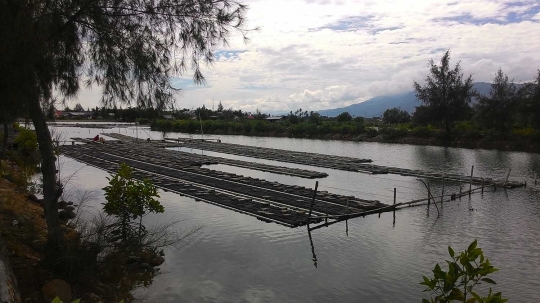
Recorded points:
319,54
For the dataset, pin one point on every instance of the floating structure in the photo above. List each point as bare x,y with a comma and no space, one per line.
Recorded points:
270,201
187,157
340,163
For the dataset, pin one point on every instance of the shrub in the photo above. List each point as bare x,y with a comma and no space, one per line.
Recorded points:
26,142
466,270
421,131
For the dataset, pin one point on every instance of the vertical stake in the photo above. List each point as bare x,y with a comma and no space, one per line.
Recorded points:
460,190
482,186
442,195
470,183
394,196
313,201
507,176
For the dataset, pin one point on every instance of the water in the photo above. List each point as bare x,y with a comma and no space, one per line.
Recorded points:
237,258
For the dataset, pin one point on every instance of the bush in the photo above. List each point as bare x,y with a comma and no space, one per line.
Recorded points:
466,270
26,142
393,132
421,131
524,132
372,132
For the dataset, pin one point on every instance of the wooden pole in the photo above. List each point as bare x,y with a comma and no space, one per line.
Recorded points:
470,183
442,195
482,186
460,190
395,196
313,201
507,176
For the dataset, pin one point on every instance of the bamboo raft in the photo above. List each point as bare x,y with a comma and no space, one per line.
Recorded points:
340,163
148,147
269,201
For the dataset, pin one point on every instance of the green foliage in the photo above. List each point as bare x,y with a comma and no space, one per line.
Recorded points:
465,270
497,110
393,132
26,141
344,117
312,126
395,116
129,199
446,94
466,129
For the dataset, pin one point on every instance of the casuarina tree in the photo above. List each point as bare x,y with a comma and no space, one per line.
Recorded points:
130,49
446,93
496,110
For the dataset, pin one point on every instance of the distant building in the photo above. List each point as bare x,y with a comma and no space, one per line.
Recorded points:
273,119
79,115
168,117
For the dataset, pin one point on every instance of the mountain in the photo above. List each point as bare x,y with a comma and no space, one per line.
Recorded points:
375,107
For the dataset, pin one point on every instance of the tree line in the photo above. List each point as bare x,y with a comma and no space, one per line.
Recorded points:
449,101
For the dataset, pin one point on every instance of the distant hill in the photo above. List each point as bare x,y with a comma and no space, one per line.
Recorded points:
375,107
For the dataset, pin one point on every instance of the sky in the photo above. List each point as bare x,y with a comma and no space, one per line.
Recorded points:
321,54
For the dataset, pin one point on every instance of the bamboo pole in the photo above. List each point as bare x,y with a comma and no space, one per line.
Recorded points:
470,183
313,201
482,186
507,176
395,196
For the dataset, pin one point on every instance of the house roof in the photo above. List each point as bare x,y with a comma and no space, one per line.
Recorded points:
80,114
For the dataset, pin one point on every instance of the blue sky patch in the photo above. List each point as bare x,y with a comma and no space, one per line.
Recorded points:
228,54
511,16
186,84
347,24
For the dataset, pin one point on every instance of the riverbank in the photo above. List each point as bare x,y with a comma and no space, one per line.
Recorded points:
81,269
522,140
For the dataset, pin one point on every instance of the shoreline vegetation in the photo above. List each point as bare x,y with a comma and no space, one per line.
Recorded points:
463,134
105,256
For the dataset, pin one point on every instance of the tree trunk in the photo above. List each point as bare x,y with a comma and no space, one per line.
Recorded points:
6,135
48,169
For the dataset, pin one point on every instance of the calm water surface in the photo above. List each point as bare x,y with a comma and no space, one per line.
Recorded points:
237,258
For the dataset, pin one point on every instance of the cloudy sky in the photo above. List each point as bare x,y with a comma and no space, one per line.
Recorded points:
320,54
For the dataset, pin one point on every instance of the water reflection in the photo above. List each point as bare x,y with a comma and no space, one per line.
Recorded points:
314,256
241,259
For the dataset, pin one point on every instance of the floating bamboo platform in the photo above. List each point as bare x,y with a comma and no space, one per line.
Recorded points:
269,201
340,163
196,159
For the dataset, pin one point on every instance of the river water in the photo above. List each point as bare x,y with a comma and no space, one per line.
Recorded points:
238,258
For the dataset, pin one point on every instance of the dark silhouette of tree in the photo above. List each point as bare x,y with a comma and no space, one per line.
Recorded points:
528,108
315,118
344,117
78,108
129,48
395,116
497,110
446,94
220,107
